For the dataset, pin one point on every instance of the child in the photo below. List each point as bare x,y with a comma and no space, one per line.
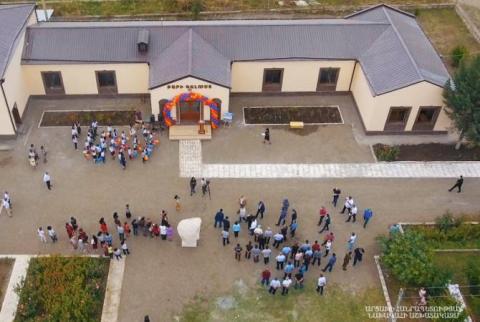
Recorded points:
128,213
126,229
52,234
177,203
125,248
118,254
169,233
41,234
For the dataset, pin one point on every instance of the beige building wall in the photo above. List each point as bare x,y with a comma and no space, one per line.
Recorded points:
132,78
15,86
180,86
374,109
298,76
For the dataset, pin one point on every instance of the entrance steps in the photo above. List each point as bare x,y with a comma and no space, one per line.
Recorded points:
189,132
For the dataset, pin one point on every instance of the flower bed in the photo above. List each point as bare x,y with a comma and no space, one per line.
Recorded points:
63,289
285,115
63,118
426,152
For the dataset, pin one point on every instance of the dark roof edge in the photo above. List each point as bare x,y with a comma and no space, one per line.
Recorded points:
16,39
378,6
189,75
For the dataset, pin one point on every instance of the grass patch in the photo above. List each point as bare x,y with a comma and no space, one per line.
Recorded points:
299,305
464,236
63,289
446,31
457,263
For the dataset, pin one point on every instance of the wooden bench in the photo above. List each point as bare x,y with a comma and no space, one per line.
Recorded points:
296,125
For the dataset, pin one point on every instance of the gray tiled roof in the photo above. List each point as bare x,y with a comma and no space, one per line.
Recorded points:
12,20
390,46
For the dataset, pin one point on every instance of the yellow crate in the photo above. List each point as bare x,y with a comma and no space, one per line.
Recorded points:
296,125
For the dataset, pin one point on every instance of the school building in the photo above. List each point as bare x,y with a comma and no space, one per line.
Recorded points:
189,69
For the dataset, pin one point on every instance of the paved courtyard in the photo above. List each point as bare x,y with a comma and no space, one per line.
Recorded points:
160,276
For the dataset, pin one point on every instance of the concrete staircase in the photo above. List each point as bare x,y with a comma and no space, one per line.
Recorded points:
189,132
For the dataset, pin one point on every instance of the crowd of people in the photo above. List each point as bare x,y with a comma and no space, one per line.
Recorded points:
292,258
103,241
115,143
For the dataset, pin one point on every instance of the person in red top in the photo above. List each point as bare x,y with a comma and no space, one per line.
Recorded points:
155,230
103,226
316,246
126,228
323,213
328,237
266,277
69,229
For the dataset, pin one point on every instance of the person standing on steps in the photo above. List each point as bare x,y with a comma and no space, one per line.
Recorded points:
457,185
47,179
193,184
266,136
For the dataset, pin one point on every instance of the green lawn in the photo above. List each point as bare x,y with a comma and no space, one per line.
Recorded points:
301,306
130,7
446,31
457,264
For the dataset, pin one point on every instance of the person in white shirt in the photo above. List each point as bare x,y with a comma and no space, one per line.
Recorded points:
41,234
277,240
47,180
52,234
252,227
322,281
352,214
280,260
351,242
328,247
7,206
258,231
349,202
285,285
266,255
274,285
268,233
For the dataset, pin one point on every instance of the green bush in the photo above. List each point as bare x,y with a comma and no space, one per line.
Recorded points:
458,54
408,257
461,235
62,289
446,222
387,153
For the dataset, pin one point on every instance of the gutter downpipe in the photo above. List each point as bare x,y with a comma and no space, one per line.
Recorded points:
2,80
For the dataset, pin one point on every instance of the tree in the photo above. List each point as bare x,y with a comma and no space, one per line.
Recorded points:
462,97
408,257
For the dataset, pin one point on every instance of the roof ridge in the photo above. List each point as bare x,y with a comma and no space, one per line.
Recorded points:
402,42
383,6
190,49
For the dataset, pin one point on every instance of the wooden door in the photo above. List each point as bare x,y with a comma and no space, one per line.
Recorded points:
190,112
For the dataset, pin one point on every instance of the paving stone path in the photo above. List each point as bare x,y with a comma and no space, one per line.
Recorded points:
190,156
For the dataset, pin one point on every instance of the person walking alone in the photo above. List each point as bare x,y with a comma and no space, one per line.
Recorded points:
346,260
336,195
358,255
47,179
458,185
266,136
322,281
367,215
6,203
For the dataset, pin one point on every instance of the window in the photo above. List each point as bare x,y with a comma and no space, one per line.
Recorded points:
272,80
106,82
327,80
397,118
52,81
426,118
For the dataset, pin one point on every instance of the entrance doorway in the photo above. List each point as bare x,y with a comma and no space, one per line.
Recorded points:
16,115
190,112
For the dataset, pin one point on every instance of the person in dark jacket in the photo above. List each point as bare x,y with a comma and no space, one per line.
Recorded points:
331,263
193,184
457,185
219,216
260,209
358,255
226,224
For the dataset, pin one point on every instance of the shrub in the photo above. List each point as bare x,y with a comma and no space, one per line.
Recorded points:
445,222
387,153
408,257
62,289
447,301
458,54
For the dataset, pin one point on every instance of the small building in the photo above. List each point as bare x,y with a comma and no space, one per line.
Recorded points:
189,69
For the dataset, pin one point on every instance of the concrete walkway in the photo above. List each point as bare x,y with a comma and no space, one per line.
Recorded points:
190,156
10,301
111,303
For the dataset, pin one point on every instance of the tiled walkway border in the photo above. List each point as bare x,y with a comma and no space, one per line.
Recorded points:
190,163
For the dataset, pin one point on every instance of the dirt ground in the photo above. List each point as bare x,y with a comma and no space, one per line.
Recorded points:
436,152
160,276
6,266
